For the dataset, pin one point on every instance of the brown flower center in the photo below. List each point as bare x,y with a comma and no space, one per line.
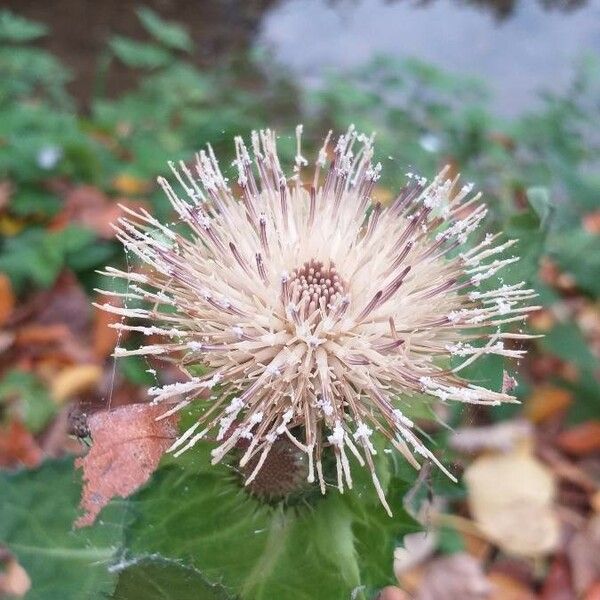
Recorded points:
284,472
315,284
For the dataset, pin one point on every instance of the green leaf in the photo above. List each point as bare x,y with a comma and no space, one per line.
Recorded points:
158,579
38,255
31,257
17,29
171,35
135,370
530,227
540,202
567,342
578,253
32,202
24,393
205,520
139,55
37,510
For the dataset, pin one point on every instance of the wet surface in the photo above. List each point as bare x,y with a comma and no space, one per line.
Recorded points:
516,47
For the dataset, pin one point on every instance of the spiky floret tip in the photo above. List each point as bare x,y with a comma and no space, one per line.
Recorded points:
318,311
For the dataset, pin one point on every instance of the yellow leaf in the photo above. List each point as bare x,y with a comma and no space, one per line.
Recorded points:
74,380
546,401
511,499
129,185
10,226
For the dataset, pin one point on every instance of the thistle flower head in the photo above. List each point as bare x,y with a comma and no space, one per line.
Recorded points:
317,310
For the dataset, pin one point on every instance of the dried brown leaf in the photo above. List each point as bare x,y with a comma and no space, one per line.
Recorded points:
7,299
128,443
452,577
546,401
581,439
507,588
583,552
104,337
18,447
557,585
90,207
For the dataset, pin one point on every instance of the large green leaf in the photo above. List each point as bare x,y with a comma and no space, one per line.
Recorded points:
158,579
323,550
37,510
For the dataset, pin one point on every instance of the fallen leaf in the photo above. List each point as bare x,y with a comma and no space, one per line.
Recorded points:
129,185
73,380
392,593
583,551
591,222
5,193
511,499
558,581
18,446
7,299
501,437
416,548
10,226
452,577
41,334
128,443
594,592
66,303
546,401
505,587
104,337
90,207
581,439
14,581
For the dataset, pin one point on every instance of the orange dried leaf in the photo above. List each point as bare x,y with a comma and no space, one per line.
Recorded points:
104,337
7,299
41,334
129,185
581,440
591,222
594,592
128,443
505,587
18,446
546,401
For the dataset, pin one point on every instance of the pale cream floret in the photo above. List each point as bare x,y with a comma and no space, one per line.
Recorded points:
318,311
